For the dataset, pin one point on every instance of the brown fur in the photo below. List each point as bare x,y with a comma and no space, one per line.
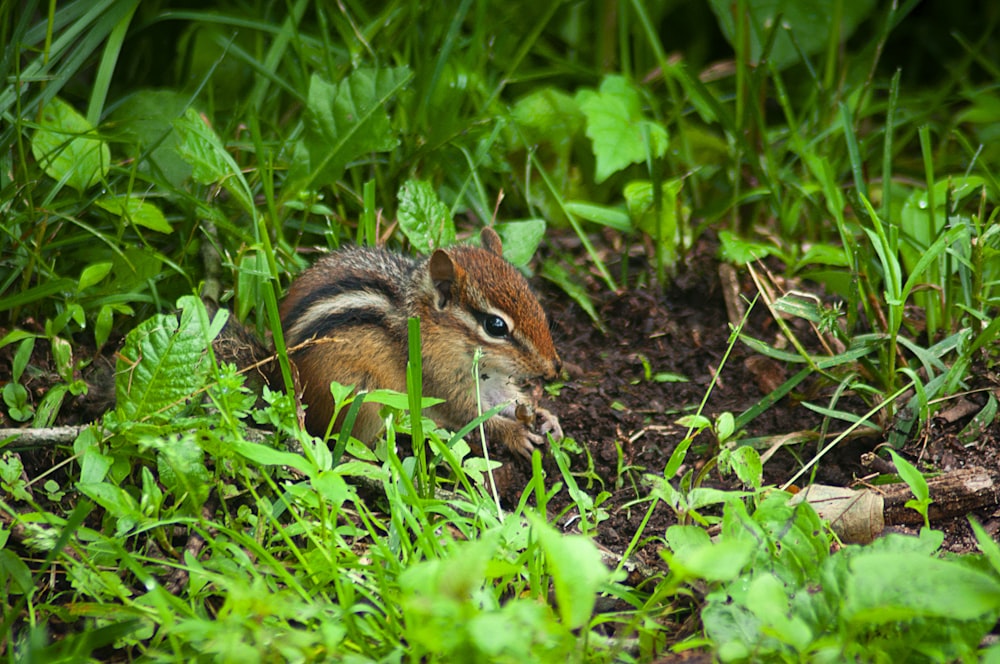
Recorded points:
450,292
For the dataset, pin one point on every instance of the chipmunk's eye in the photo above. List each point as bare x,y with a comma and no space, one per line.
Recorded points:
495,326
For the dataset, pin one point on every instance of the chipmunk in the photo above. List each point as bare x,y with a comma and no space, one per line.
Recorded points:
354,305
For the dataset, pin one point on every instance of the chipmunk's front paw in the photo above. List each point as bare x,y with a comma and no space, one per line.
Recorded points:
535,424
547,423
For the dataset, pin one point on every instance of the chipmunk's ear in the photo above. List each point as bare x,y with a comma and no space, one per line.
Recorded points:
491,241
442,270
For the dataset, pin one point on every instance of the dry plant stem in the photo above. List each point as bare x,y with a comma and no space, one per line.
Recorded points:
768,296
819,336
43,437
49,436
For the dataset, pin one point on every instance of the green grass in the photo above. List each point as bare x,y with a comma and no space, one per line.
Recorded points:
173,529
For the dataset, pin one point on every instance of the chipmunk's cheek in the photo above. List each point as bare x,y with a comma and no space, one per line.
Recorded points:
496,388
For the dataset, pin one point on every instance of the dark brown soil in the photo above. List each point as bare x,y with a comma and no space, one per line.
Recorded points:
617,405
628,423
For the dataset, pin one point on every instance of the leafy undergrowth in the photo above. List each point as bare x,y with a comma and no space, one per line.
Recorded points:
765,255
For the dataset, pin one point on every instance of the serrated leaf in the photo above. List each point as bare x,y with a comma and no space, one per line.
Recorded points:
423,218
619,133
210,162
137,210
344,121
66,147
162,364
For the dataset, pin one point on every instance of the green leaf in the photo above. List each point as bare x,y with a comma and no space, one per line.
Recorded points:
612,217
739,251
745,462
118,502
136,210
268,456
577,571
66,147
146,119
15,396
344,121
891,586
21,357
422,216
558,275
811,22
94,465
913,477
548,115
15,575
521,239
210,162
180,463
93,274
162,364
694,555
619,133
641,209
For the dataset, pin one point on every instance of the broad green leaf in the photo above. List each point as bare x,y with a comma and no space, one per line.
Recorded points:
344,121
162,365
146,119
422,216
94,465
67,147
210,162
548,115
617,129
745,462
133,268
521,239
768,599
890,586
810,21
642,210
578,573
136,210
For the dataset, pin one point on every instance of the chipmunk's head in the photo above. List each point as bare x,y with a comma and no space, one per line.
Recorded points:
496,308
